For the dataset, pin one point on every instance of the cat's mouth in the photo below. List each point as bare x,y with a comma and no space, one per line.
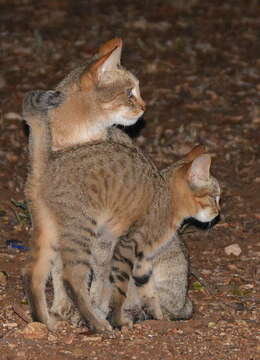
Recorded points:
202,225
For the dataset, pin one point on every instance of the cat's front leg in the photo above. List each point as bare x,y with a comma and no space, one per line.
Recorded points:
144,282
101,288
62,306
122,267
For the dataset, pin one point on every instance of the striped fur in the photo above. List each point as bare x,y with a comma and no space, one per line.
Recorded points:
90,196
94,190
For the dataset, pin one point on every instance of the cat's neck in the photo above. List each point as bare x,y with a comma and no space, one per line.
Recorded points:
80,136
178,190
70,127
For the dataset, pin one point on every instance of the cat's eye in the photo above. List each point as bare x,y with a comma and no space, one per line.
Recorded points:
129,93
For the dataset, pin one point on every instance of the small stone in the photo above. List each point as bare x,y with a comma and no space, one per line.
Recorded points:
92,338
211,324
35,330
52,338
13,116
69,339
232,267
233,249
10,325
3,278
79,352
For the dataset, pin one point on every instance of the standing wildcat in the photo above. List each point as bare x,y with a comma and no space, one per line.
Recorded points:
101,208
96,96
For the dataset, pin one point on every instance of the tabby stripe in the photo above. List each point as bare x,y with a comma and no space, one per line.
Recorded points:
111,279
124,275
88,230
84,245
126,246
142,280
120,278
121,291
123,259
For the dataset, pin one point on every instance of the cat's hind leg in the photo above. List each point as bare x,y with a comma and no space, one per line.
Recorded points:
143,273
85,256
37,272
141,269
171,281
62,306
122,267
102,252
75,282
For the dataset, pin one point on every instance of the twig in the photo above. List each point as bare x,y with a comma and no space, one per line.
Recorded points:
19,311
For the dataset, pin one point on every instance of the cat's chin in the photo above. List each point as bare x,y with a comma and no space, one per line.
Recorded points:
128,122
126,119
200,224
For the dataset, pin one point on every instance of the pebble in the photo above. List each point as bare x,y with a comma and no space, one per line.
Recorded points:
35,330
211,324
92,338
233,249
3,278
10,325
52,338
13,116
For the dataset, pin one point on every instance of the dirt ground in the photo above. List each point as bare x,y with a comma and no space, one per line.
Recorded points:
199,68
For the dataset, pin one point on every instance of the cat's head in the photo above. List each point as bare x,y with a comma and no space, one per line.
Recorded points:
195,192
97,96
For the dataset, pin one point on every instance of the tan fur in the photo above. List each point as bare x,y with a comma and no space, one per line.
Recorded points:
189,195
94,194
96,98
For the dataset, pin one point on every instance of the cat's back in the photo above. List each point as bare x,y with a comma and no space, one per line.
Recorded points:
101,156
104,169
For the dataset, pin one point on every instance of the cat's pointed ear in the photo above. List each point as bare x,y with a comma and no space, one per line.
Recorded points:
199,170
111,45
108,62
195,152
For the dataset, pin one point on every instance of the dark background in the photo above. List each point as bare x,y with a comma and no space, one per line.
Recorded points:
198,63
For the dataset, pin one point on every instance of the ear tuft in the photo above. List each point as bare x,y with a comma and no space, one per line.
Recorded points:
109,60
195,152
110,45
199,171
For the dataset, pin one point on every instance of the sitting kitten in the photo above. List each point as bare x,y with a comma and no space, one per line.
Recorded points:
191,189
87,206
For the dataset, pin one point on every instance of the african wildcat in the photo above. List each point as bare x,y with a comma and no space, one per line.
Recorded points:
87,208
98,95
170,266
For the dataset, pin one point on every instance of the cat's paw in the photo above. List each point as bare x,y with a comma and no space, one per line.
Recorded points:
153,310
121,320
102,326
52,322
63,309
